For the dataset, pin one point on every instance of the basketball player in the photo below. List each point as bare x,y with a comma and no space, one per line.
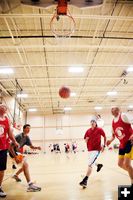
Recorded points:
93,142
121,128
23,139
6,133
74,147
67,148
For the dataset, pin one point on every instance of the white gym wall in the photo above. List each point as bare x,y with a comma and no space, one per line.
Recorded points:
49,129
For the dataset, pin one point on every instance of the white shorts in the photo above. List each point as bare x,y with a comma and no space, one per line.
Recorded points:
92,155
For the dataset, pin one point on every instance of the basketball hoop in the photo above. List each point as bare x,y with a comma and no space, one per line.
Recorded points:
100,121
62,23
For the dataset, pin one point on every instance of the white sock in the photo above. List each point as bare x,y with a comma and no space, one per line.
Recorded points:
29,182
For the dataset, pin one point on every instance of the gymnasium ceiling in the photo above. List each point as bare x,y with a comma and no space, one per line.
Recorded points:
102,44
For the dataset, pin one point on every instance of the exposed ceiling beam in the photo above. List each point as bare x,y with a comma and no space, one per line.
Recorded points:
43,88
73,36
66,66
116,47
99,17
66,78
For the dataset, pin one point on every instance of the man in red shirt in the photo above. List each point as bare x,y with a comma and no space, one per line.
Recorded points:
5,133
93,142
121,128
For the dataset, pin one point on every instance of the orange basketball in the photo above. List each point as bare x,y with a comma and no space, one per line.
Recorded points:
20,157
64,92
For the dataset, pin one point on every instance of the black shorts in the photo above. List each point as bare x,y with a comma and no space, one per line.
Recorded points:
3,160
127,149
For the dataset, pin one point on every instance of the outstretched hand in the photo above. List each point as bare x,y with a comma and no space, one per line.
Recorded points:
39,148
108,142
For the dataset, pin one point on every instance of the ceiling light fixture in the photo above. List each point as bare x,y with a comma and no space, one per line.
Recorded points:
98,108
32,109
129,69
76,69
6,71
130,106
72,94
67,108
22,95
112,93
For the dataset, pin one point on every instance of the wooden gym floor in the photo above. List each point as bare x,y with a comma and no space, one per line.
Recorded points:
59,176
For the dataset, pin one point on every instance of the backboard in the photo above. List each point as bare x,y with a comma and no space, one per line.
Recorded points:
48,3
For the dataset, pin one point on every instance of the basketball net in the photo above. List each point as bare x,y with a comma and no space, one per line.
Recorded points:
100,121
62,23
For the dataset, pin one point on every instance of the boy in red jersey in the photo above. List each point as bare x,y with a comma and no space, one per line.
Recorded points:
93,142
5,133
121,128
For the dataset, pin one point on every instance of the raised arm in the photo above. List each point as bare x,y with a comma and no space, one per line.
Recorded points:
35,147
29,143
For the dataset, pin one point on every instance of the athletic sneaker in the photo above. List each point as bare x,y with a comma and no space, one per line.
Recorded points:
83,183
99,166
16,178
2,193
33,188
14,167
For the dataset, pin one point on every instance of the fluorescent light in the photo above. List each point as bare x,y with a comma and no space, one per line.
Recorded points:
72,94
129,69
22,95
67,108
76,69
98,108
112,93
130,106
32,109
6,71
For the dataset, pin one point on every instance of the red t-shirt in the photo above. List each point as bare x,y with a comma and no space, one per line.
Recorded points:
4,129
94,141
122,131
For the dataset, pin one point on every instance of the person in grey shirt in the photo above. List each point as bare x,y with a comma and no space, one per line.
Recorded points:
23,139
